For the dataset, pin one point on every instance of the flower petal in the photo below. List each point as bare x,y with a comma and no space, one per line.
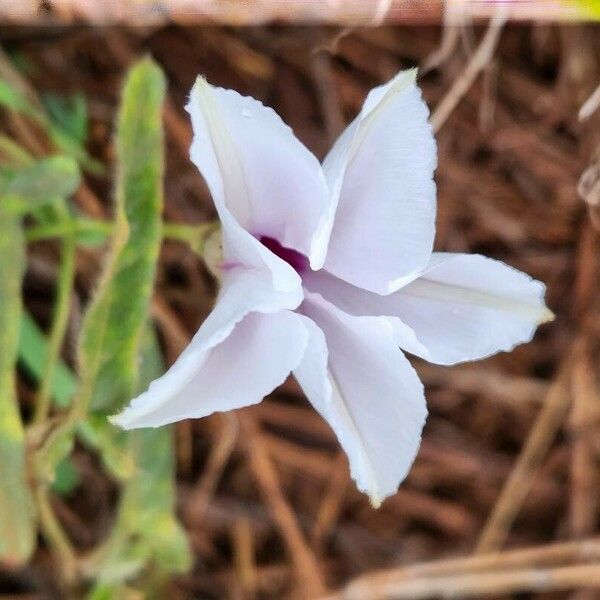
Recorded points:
248,364
381,175
259,171
462,307
468,306
214,153
357,378
359,302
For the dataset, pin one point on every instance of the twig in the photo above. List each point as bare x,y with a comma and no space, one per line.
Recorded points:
477,585
450,34
327,95
332,502
305,563
589,189
60,322
217,460
243,547
589,107
582,512
534,557
476,64
57,538
516,488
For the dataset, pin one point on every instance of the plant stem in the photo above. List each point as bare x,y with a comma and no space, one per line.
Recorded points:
66,277
56,536
68,227
192,235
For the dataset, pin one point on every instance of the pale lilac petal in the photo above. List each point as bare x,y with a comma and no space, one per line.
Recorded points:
359,380
268,180
467,307
256,357
359,302
215,154
380,172
463,307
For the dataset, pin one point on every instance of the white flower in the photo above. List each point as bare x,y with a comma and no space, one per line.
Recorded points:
328,273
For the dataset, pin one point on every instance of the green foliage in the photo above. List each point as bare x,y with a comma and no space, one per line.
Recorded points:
17,520
117,356
146,532
112,328
33,355
14,100
117,351
46,181
66,478
69,114
64,121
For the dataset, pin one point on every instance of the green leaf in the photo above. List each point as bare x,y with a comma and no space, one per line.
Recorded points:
68,128
17,518
109,346
33,355
118,352
13,99
45,181
66,478
73,148
146,530
69,113
111,444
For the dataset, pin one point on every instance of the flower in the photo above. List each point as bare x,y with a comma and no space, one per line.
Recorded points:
328,273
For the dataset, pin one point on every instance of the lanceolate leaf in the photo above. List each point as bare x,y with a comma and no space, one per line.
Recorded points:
17,521
146,530
118,354
33,354
43,182
110,339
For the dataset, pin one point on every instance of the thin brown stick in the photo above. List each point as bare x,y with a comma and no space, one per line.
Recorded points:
477,585
583,507
217,460
481,57
536,446
245,566
327,95
332,501
589,107
450,35
534,557
305,563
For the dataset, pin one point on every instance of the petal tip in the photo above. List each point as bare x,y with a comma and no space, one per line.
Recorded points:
547,316
376,501
119,420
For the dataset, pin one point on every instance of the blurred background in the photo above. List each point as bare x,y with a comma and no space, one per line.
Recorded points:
510,451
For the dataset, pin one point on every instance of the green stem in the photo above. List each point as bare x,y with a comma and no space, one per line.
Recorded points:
62,307
56,536
14,152
192,235
69,227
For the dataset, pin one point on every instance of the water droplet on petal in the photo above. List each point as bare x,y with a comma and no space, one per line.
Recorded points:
246,112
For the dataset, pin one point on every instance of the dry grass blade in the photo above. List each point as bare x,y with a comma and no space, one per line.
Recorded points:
518,485
479,585
481,57
305,563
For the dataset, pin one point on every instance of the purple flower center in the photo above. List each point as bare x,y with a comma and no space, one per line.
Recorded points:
295,259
